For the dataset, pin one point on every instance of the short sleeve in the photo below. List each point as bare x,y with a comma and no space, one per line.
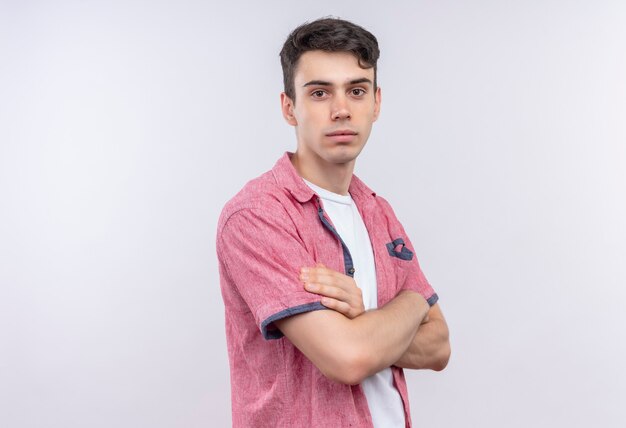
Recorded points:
402,248
263,255
416,280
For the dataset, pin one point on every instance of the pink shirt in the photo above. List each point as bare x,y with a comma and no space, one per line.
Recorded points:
274,226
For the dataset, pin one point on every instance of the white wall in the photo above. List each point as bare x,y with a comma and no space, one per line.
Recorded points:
125,126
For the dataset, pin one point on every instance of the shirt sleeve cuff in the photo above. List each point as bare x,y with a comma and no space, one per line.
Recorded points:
269,330
432,299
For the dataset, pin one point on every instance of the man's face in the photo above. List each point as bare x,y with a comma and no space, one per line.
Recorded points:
335,107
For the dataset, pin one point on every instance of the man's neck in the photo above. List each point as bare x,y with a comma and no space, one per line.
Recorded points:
332,177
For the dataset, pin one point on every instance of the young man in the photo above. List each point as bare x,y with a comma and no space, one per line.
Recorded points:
325,300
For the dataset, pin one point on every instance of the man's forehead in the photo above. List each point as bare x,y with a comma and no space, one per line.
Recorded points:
336,68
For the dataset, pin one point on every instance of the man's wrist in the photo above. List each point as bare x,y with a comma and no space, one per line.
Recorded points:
418,300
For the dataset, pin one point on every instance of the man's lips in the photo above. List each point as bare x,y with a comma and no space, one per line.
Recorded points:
342,136
341,132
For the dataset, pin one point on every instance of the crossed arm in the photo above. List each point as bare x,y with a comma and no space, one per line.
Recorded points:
348,344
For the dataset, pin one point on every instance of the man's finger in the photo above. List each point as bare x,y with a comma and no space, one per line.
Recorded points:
320,269
327,276
326,290
337,305
318,276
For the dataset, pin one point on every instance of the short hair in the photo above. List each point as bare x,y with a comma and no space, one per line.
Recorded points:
330,35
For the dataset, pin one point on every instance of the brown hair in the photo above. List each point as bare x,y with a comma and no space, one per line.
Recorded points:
330,35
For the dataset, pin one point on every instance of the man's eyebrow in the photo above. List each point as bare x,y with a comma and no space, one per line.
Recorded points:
325,83
317,83
361,80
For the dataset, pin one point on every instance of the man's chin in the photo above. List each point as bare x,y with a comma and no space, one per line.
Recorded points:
342,155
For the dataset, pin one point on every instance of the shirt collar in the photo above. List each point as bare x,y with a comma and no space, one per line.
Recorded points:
287,177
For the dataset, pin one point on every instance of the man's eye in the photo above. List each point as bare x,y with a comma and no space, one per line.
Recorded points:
318,94
358,92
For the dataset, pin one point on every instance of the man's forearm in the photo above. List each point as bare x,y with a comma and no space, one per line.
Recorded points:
430,347
386,334
349,350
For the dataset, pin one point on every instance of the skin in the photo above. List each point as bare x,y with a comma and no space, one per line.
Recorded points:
430,348
339,292
348,344
320,109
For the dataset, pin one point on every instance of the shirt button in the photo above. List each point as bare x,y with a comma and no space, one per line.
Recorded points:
351,271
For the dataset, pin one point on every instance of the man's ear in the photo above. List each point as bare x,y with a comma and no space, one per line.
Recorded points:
377,100
287,105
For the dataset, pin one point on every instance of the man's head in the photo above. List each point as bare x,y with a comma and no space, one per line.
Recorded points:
330,68
329,35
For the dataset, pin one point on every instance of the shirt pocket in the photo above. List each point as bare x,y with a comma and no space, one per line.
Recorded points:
399,261
398,249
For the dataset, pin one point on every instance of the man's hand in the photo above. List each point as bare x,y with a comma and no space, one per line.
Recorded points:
339,292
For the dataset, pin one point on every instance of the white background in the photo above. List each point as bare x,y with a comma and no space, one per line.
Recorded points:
125,126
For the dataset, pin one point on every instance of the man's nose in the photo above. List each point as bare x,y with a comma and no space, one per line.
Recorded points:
340,108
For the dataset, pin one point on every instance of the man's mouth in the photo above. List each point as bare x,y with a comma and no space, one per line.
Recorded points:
342,136
341,132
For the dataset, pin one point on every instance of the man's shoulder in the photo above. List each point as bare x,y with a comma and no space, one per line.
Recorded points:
261,194
252,195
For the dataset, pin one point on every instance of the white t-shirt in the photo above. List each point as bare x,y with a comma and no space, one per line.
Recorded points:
383,398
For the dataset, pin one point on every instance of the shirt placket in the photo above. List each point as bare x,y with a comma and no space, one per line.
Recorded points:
328,224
